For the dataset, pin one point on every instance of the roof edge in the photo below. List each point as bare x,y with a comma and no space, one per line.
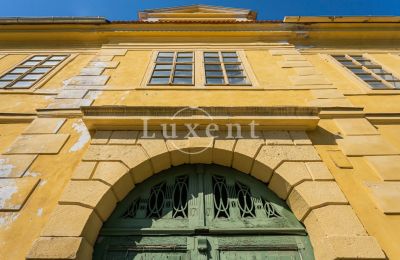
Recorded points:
54,20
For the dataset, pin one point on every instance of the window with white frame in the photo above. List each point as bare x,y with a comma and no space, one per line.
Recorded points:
370,72
30,71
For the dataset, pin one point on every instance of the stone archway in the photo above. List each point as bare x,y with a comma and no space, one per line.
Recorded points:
286,161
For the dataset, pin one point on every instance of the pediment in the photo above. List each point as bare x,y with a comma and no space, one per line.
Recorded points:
197,12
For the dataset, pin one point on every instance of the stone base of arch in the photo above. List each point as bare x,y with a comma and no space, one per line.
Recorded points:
285,160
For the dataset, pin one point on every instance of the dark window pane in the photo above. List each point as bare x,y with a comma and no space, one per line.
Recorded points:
184,60
31,63
211,59
347,63
237,81
165,54
233,67
182,81
215,81
41,70
342,57
23,84
38,58
32,77
183,73
183,67
165,73
229,54
231,59
4,83
19,70
367,77
234,73
164,60
163,67
159,81
50,63
10,76
358,71
396,84
366,62
377,85
388,77
185,54
214,73
211,54
213,67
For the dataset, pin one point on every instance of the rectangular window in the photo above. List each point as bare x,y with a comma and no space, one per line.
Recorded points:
173,68
26,74
224,68
371,73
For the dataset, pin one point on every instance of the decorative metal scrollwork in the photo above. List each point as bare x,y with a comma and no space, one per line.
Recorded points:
132,210
220,189
156,200
270,210
180,197
246,204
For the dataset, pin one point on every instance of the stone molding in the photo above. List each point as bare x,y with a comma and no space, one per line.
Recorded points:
93,191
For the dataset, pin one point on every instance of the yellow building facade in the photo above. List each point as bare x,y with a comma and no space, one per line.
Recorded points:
83,103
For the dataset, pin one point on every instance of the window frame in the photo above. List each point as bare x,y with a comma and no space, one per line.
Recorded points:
36,83
388,85
173,68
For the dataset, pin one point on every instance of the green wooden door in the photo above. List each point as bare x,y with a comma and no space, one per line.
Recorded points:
202,212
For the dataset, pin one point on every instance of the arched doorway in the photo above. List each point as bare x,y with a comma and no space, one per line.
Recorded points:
202,212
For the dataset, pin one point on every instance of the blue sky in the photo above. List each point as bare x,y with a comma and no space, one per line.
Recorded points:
127,9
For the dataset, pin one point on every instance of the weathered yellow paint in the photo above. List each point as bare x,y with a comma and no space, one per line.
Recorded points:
8,133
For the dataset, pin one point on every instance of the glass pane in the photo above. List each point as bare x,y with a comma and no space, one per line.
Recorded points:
339,57
50,63
39,57
234,73
159,81
165,54
377,85
388,77
183,67
31,63
163,67
378,70
23,84
213,67
211,59
182,81
366,62
366,77
233,67
231,59
32,77
10,76
358,57
58,58
229,54
211,54
184,73
4,83
347,63
396,84
185,54
214,73
19,70
358,71
184,60
215,81
162,73
165,60
41,70
237,81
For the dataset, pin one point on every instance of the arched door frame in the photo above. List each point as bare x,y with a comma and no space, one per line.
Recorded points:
295,173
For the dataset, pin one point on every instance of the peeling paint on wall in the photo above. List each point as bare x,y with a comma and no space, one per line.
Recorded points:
7,189
39,212
5,168
80,128
6,218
